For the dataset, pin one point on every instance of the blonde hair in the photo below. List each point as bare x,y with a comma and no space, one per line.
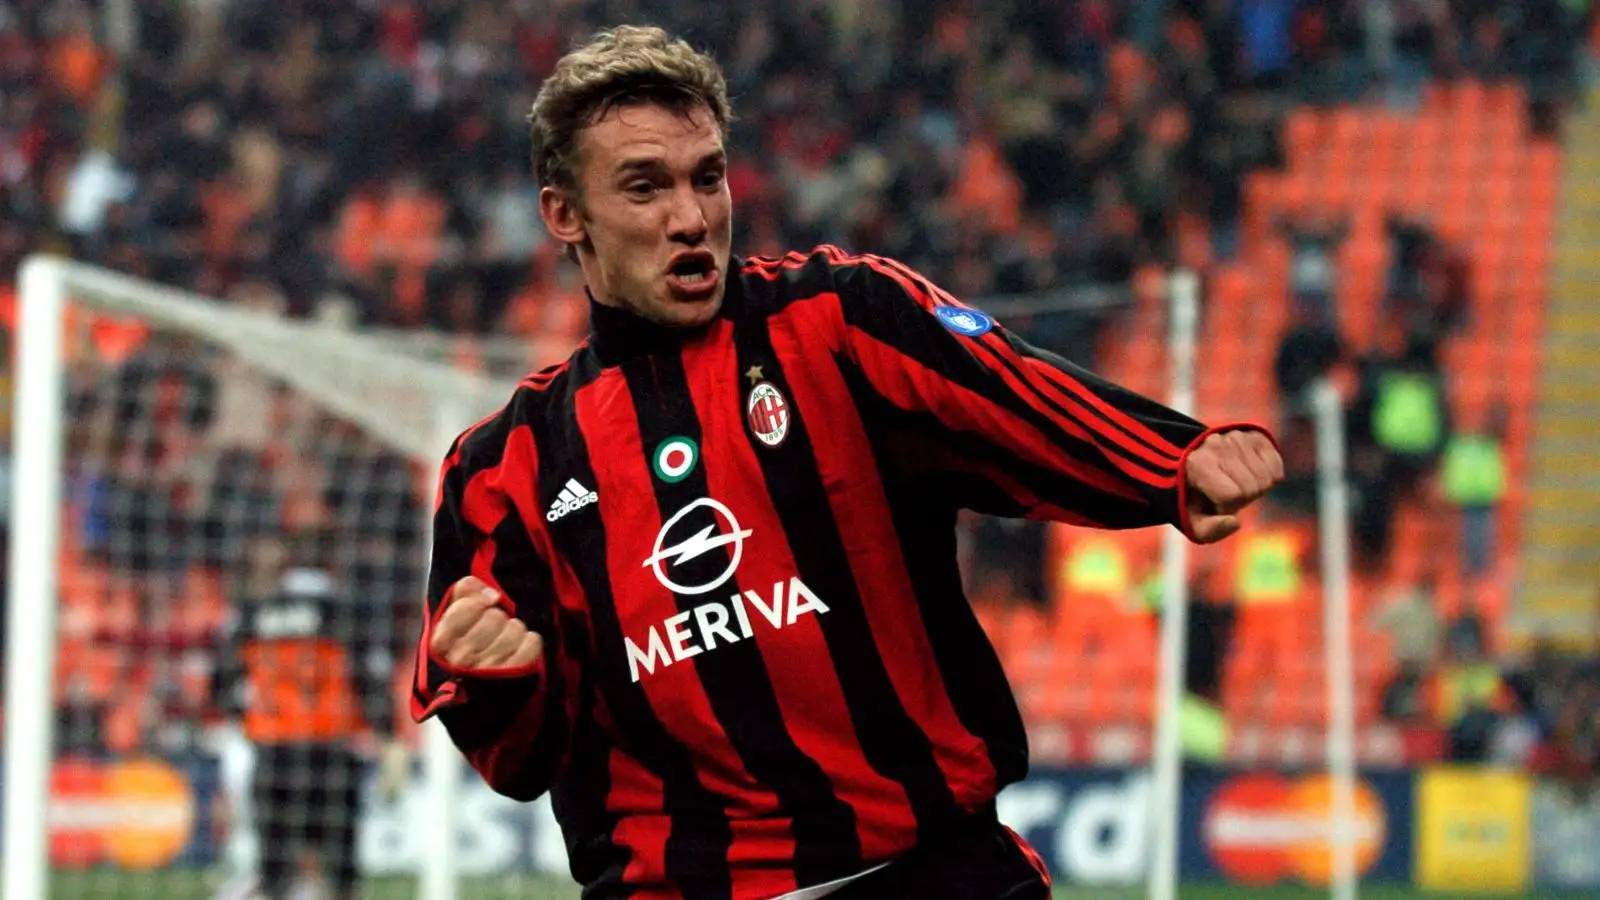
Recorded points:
619,66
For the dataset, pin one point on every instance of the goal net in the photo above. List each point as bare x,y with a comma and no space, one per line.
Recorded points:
217,546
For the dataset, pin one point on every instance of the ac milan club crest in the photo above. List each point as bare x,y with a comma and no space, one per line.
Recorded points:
767,411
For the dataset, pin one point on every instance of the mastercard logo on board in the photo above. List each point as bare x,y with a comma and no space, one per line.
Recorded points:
1261,829
138,814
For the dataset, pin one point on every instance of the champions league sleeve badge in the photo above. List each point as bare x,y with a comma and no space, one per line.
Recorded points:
965,322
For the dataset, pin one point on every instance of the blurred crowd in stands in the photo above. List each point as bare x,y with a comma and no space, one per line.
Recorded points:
367,163
376,152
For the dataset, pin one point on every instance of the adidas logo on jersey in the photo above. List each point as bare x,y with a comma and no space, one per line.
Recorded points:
572,498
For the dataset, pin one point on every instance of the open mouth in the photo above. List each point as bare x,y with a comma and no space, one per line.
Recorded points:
693,274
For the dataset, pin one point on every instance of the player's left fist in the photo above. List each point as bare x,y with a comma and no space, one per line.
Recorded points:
1228,471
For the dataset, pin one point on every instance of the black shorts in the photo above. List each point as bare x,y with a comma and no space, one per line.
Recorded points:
982,860
306,798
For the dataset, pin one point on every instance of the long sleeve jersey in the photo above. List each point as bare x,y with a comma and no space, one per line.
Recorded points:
760,671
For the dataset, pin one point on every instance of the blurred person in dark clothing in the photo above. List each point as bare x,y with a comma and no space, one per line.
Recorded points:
1406,297
305,669
1373,501
1314,243
1209,638
1545,681
1570,755
1447,274
1374,504
1309,350
1298,494
1008,557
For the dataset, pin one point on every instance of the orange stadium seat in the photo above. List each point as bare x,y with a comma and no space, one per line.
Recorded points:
202,605
89,670
1302,136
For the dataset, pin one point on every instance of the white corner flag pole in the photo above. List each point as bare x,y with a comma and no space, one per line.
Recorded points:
1167,763
1334,521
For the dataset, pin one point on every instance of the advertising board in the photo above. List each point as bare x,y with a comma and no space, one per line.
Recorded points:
1566,844
1473,829
1092,826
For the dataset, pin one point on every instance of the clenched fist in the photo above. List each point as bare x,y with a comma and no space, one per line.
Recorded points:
476,634
1227,472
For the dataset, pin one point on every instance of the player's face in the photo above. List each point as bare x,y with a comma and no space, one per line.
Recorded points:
655,220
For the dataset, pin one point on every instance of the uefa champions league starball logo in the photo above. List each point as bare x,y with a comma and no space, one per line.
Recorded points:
966,322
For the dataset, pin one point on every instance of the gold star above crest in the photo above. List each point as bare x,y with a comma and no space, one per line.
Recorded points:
754,374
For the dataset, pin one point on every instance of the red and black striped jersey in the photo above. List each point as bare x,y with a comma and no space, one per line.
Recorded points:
761,672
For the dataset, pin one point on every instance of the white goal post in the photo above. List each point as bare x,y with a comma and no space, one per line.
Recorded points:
411,407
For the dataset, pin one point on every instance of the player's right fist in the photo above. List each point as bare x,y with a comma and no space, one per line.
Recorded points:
476,634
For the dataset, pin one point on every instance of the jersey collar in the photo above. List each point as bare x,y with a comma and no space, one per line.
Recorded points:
617,335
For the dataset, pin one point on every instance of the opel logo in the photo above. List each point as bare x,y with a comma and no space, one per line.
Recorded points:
724,531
